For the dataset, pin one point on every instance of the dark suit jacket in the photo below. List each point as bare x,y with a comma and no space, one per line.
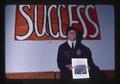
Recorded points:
65,53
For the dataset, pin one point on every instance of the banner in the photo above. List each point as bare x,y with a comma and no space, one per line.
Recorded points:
49,22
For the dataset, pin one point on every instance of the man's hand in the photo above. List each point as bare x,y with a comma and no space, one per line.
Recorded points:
88,67
69,66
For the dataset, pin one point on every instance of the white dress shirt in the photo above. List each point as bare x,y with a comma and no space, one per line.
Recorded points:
70,43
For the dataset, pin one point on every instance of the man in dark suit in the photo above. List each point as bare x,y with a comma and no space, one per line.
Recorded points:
73,48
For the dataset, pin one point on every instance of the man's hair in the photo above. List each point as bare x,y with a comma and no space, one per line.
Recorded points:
70,28
79,33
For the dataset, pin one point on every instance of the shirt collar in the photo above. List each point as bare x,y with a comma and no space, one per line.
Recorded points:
70,43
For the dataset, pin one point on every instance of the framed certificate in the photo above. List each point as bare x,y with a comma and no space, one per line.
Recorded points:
80,68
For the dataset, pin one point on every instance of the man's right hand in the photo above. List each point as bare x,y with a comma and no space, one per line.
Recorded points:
69,66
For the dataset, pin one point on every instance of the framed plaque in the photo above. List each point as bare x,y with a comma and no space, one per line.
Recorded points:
80,68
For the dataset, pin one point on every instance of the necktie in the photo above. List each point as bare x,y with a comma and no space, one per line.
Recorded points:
73,53
72,46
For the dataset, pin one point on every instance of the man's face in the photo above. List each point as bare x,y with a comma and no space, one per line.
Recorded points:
71,35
